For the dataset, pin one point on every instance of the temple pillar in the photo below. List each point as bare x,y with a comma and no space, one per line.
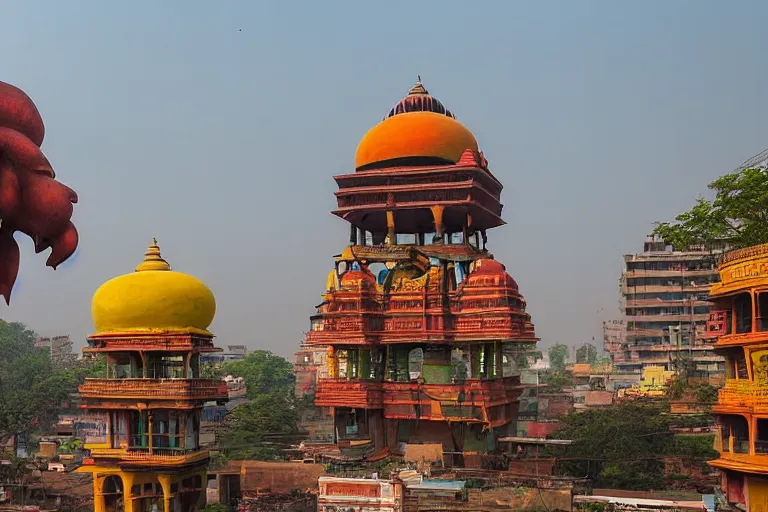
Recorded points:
437,215
352,235
497,360
365,364
391,235
419,238
485,237
149,431
333,363
144,369
474,360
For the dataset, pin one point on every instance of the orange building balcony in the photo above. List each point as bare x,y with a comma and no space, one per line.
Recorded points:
200,390
737,453
165,457
741,396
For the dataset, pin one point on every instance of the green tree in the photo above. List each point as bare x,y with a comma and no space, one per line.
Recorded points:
619,447
558,357
260,429
737,215
587,353
211,371
556,381
264,373
30,390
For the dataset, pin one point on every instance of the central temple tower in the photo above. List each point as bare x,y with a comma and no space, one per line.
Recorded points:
421,322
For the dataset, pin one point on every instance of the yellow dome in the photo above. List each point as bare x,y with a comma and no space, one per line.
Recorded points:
414,134
153,299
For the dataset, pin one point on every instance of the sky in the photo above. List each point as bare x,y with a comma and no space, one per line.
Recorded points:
217,128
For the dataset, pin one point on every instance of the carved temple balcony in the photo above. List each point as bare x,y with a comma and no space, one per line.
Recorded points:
199,390
419,327
349,393
142,457
491,401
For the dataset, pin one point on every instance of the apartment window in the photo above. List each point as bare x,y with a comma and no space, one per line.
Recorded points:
743,306
737,428
736,365
762,310
761,441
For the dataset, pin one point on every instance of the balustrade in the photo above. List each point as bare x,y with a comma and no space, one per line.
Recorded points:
175,389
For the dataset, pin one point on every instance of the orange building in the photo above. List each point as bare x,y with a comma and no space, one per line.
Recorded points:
740,320
421,322
152,327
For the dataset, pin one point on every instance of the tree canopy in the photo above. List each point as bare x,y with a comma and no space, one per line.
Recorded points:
264,373
738,215
30,390
587,353
558,357
261,428
618,447
624,446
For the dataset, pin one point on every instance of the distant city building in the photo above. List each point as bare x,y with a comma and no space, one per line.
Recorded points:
60,348
233,353
310,364
664,298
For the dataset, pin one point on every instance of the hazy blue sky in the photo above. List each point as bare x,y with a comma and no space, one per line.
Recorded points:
217,127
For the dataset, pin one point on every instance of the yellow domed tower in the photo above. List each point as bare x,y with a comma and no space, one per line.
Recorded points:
151,326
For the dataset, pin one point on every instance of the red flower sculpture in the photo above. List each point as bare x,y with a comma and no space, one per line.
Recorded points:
31,200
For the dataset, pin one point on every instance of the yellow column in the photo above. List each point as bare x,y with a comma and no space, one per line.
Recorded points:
128,480
98,497
165,483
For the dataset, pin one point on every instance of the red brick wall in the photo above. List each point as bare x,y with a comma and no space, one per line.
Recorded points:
541,428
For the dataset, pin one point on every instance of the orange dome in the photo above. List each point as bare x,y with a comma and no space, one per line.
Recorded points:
426,135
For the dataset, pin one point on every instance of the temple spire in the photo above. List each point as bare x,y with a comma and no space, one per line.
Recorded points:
418,87
152,259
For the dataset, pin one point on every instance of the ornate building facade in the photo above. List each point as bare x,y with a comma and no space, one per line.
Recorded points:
420,321
152,327
739,319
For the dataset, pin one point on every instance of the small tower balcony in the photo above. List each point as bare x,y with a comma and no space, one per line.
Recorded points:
198,390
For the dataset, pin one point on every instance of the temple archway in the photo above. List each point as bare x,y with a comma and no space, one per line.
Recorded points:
112,494
190,492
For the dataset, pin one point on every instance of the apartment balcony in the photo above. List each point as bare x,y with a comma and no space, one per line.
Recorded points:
670,273
664,303
666,288
684,318
158,457
198,390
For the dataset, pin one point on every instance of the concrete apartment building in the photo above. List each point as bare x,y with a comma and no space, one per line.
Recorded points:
665,310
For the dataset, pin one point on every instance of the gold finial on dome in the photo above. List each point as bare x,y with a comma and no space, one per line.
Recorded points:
152,259
418,87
